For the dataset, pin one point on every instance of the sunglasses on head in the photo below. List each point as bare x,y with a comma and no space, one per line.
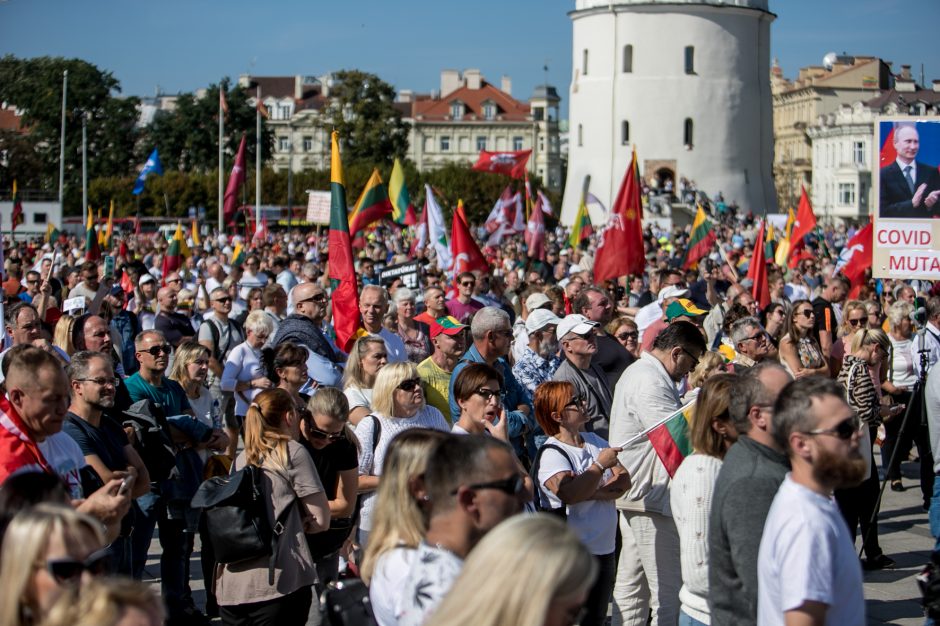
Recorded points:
67,570
409,384
157,350
843,430
510,486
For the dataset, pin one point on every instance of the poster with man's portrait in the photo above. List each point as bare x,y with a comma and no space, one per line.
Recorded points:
907,179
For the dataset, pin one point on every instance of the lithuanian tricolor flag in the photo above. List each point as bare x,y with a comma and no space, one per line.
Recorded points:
701,240
238,255
372,206
92,251
770,243
18,216
178,250
671,439
344,297
52,233
783,248
582,228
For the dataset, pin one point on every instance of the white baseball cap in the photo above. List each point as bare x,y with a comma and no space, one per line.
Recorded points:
536,300
672,292
539,319
574,323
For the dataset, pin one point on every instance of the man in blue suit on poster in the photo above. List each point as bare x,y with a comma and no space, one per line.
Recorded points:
909,188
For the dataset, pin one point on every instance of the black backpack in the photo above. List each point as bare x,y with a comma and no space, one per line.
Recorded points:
234,329
235,510
153,442
541,502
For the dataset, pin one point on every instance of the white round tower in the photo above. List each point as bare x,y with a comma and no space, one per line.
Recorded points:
685,81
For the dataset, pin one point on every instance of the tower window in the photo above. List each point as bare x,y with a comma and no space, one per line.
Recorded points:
687,133
580,135
690,59
584,62
456,110
628,59
624,132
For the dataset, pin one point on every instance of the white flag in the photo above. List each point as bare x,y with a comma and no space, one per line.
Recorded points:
437,230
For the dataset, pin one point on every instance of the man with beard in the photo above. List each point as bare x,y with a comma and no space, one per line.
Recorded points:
577,336
540,359
808,572
102,440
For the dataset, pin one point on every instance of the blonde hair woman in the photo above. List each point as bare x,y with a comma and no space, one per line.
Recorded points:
62,334
190,369
108,602
45,549
399,520
854,318
398,405
368,355
538,549
294,496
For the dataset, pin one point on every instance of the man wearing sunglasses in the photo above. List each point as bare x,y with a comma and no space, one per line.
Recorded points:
751,342
578,339
807,570
828,310
220,334
464,306
304,328
473,483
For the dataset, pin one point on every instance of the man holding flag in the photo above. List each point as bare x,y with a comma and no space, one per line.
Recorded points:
649,572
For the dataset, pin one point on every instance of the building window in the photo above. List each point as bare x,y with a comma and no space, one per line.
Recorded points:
847,194
580,135
283,144
687,133
481,143
283,112
456,110
541,144
624,132
538,114
517,143
690,59
445,143
39,218
489,110
584,62
308,143
859,149
628,59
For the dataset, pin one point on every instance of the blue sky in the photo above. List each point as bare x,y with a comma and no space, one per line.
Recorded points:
182,45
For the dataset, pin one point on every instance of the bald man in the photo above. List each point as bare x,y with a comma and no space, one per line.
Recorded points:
305,328
176,327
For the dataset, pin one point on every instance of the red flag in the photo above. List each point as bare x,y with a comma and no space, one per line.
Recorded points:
888,154
757,271
465,251
620,246
410,218
535,232
509,163
856,258
235,181
804,224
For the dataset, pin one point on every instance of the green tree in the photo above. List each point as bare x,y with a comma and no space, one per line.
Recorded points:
187,137
35,87
362,109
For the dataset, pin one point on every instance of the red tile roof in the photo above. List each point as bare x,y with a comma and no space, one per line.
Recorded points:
9,120
507,108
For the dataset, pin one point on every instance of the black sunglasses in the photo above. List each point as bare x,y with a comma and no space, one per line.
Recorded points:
578,401
843,430
510,486
320,297
65,570
468,283
223,300
409,384
856,322
322,435
488,394
808,313
628,335
161,349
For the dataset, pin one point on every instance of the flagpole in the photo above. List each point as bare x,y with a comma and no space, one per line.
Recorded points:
639,436
221,157
84,167
258,159
65,87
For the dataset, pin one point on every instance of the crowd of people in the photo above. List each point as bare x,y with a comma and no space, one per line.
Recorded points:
482,452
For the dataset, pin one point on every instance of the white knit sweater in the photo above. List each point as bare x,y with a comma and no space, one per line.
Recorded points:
691,501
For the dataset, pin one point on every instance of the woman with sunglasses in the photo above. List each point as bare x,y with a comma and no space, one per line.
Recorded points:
625,331
866,352
326,435
368,355
399,520
244,372
398,405
45,549
292,491
712,433
478,391
579,471
854,318
800,352
773,319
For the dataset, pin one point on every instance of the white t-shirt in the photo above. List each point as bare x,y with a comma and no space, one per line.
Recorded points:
806,553
358,397
431,575
385,586
595,521
207,411
394,346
